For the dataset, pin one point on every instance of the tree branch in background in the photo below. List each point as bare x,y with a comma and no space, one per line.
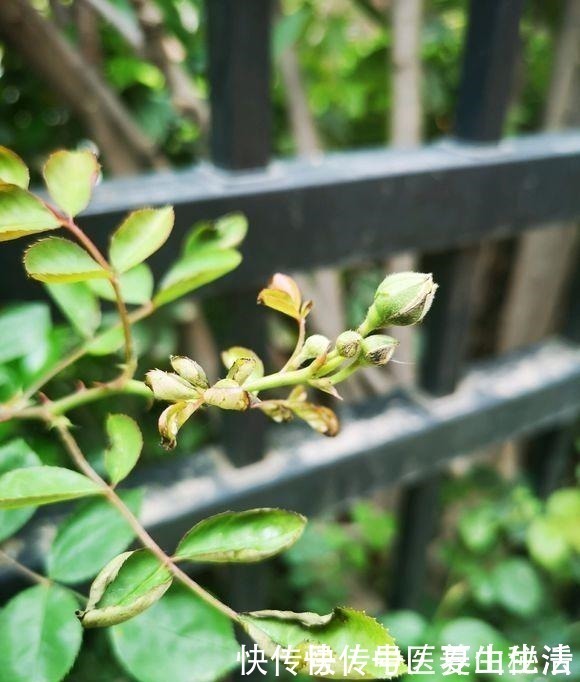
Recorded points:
167,53
124,146
546,258
405,126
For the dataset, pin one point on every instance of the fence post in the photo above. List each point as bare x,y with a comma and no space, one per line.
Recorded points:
239,69
490,52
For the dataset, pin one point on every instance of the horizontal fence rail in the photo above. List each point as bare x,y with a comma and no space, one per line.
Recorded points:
349,207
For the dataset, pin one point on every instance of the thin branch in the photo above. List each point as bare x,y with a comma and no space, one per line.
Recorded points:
146,540
28,573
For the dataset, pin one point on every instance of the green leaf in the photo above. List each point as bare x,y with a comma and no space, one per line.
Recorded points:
40,636
241,537
563,510
70,178
547,545
126,445
128,585
78,304
15,455
136,285
195,270
479,528
59,260
342,628
13,170
43,485
88,539
471,632
518,587
107,342
180,639
410,626
22,214
23,328
226,232
139,236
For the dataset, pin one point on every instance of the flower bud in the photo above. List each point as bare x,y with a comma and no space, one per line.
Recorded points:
190,370
378,349
401,299
314,346
228,395
170,387
348,344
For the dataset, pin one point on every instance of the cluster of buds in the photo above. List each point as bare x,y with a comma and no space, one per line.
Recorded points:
401,299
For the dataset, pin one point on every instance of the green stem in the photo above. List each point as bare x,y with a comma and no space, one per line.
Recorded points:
83,397
146,540
344,373
33,576
279,380
138,314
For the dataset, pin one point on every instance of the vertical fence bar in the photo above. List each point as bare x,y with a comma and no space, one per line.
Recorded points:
240,66
490,53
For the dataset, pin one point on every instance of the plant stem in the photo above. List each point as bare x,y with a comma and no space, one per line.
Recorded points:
299,343
135,316
70,402
5,558
146,540
91,247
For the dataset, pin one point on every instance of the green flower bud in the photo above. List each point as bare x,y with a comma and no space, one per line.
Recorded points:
170,387
228,395
348,344
190,370
378,349
401,299
314,346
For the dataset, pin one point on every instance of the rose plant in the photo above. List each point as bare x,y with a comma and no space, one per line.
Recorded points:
163,625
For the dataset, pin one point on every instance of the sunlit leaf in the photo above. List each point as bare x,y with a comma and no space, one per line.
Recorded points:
59,260
107,342
15,455
126,445
342,628
93,535
13,170
518,587
38,485
128,585
195,270
140,235
78,304
282,294
40,636
179,639
22,214
136,285
70,178
241,537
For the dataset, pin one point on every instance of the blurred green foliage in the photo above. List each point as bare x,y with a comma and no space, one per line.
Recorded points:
343,53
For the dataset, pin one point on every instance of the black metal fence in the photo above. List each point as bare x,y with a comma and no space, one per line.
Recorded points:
443,201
